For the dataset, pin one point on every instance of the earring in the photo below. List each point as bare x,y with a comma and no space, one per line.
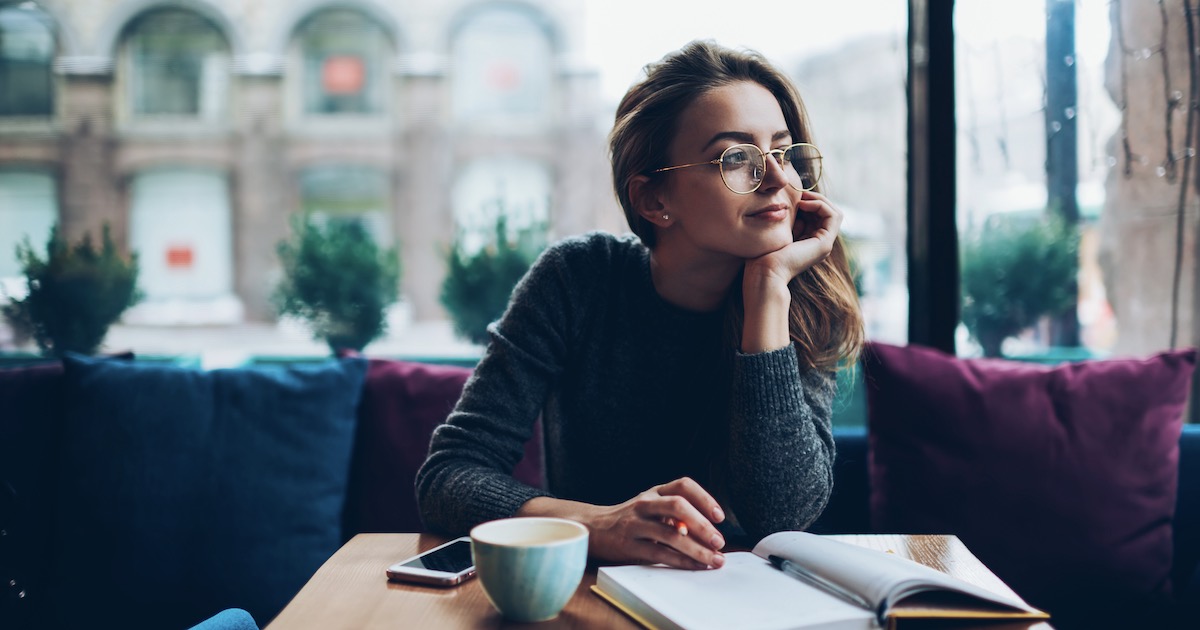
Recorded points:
666,217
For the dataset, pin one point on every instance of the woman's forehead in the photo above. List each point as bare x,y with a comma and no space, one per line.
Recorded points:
738,109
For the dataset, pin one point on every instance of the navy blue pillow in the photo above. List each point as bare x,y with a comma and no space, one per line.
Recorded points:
184,492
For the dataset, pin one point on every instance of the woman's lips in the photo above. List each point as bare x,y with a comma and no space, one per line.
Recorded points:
770,214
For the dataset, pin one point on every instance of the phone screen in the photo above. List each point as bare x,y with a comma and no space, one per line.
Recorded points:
452,558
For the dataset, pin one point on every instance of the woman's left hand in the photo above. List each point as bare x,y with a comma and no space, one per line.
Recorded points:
817,225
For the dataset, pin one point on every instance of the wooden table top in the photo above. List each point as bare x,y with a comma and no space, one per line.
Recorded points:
351,590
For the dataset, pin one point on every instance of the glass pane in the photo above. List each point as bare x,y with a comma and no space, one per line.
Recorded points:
516,188
345,57
28,209
501,67
180,65
349,192
1033,120
26,56
181,226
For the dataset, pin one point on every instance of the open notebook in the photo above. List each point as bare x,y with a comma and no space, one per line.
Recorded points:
796,580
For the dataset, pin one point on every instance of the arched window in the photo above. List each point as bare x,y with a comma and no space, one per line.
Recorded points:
502,62
344,67
28,208
177,64
181,228
517,188
26,54
348,192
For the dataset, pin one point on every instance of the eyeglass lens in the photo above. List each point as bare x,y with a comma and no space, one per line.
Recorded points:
743,166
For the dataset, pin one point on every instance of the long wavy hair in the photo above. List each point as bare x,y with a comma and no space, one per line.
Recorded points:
824,319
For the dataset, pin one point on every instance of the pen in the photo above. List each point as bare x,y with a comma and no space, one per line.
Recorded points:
804,575
679,526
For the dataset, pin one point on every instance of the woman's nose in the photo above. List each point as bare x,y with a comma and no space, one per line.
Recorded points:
774,176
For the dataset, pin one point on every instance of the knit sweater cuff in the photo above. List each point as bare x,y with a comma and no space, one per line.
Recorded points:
771,384
501,497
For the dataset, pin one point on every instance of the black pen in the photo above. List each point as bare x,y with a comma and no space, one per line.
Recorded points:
804,575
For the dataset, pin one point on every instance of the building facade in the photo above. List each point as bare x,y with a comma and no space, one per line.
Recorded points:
197,128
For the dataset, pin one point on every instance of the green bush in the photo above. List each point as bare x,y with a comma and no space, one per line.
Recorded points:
1015,271
75,293
338,281
478,286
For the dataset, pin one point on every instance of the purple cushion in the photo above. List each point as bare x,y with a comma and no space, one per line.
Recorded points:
1061,479
30,418
402,403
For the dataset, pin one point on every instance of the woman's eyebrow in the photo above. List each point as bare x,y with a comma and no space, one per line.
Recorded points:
743,137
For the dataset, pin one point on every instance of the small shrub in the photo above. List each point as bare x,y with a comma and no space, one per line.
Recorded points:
338,281
1014,272
74,294
478,286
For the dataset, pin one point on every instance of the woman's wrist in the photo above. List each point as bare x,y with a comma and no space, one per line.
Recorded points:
766,305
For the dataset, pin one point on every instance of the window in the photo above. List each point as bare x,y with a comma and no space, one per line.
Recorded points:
345,192
26,54
344,68
1034,119
181,228
28,209
501,66
178,66
516,188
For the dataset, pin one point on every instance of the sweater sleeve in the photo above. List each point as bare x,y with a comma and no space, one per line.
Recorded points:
467,477
781,448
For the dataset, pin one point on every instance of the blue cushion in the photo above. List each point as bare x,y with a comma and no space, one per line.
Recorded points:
185,492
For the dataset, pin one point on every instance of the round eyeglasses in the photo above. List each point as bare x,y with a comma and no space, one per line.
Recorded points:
743,166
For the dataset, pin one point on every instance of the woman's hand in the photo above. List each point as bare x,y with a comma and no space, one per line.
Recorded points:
813,234
671,523
765,292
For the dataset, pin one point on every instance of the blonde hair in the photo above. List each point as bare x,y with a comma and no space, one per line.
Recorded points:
824,319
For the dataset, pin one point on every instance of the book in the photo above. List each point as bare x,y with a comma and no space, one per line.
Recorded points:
795,580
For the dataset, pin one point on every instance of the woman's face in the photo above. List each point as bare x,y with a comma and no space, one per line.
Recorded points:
707,215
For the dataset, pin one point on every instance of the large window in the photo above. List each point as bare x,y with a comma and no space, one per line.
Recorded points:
1034,120
345,57
177,65
349,193
26,56
502,60
28,209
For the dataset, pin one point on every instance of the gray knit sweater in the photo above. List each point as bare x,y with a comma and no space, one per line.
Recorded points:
633,392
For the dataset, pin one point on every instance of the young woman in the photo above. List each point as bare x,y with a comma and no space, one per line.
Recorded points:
684,376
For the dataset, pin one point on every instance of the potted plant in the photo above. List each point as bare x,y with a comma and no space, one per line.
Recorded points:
478,285
74,294
337,280
1014,271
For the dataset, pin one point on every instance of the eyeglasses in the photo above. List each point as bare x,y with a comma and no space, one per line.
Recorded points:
743,166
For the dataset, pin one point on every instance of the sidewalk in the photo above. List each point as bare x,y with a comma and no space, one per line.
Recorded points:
227,346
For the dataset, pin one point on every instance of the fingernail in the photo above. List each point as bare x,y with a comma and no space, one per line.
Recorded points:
717,542
718,560
718,515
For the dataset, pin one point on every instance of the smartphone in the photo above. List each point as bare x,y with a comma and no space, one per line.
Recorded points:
444,565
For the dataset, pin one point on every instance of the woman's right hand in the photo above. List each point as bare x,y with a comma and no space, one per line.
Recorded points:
645,529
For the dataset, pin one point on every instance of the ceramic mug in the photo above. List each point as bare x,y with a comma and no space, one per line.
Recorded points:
529,567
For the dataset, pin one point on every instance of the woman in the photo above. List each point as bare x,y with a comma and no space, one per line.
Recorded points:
684,376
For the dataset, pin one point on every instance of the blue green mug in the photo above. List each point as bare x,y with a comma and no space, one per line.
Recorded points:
529,567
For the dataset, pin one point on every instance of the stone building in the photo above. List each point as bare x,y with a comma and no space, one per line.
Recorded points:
196,128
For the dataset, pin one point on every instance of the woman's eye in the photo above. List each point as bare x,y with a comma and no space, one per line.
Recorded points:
735,158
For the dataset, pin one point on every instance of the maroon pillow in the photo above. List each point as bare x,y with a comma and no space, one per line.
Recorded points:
402,403
1061,479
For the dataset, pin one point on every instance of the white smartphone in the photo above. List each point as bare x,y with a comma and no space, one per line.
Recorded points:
444,565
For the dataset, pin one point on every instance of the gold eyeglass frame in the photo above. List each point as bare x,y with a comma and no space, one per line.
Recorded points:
777,153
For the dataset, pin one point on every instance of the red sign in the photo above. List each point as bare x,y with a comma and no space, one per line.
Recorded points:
180,257
343,74
503,76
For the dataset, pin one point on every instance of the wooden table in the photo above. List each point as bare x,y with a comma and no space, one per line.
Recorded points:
351,591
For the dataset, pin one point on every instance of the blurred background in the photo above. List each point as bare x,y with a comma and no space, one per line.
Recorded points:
197,129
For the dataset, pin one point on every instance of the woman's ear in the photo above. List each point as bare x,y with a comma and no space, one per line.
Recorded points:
644,194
